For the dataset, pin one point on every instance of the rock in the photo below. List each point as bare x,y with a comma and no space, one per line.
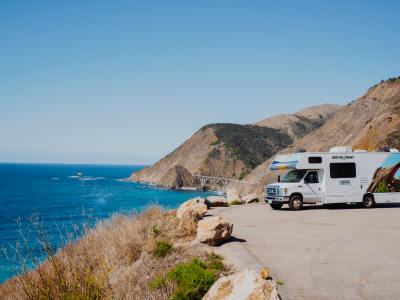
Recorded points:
189,220
217,201
244,285
249,198
178,176
185,205
201,208
264,274
213,230
205,201
233,195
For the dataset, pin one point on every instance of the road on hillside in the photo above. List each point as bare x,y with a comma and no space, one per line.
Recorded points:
321,252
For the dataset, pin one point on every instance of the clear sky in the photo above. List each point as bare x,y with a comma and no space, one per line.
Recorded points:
127,82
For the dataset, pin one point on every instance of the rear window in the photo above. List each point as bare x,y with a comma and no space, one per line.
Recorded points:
343,170
315,159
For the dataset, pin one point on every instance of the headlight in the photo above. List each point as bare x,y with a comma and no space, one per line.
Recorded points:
283,192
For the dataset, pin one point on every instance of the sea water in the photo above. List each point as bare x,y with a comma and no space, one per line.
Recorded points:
58,196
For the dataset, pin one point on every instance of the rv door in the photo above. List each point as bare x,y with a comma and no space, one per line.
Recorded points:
312,188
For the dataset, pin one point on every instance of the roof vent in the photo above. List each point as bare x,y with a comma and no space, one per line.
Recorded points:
341,149
300,150
361,150
393,150
384,150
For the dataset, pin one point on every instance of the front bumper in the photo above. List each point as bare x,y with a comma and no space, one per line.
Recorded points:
276,199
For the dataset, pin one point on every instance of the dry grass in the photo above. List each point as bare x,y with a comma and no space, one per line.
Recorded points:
112,260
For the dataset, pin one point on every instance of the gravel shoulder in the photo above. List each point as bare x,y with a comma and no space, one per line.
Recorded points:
319,252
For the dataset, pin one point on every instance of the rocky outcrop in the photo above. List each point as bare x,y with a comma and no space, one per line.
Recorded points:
189,220
201,208
233,195
213,230
217,201
178,177
250,198
245,285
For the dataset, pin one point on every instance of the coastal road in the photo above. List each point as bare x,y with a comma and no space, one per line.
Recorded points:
321,252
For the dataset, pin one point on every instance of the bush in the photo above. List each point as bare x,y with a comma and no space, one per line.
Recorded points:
162,249
159,281
193,280
213,256
236,202
254,201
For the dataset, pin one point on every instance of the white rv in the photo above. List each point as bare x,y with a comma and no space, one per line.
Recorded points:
336,177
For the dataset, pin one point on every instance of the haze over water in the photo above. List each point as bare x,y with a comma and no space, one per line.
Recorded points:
56,193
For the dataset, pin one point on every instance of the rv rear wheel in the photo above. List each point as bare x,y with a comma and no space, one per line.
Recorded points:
295,203
276,205
368,201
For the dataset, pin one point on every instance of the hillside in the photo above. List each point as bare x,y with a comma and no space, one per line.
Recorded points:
303,122
370,122
231,150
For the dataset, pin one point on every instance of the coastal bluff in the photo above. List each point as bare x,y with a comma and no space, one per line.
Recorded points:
232,151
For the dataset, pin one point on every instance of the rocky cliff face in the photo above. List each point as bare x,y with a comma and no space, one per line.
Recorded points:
303,122
232,150
178,177
370,122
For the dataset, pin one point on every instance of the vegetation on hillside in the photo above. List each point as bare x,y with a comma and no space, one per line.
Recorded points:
251,144
129,256
307,125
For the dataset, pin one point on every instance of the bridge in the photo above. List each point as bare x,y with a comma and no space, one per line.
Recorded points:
225,181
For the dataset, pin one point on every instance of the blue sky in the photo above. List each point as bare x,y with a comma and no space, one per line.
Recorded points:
127,82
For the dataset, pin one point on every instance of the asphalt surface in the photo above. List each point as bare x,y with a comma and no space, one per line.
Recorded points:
322,252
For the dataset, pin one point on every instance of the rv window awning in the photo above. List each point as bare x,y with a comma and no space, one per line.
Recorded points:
286,161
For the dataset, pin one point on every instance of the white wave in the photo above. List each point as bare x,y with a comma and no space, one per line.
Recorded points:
56,178
92,178
73,176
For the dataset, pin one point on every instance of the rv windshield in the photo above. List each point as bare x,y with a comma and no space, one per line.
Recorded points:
294,176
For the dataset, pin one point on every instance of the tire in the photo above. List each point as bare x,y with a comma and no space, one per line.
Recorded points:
276,206
295,203
368,202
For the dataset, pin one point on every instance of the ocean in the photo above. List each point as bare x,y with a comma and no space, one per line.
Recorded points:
58,196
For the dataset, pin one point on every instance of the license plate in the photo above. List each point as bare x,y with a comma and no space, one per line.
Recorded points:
269,201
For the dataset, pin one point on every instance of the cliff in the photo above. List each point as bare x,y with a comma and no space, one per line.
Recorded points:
370,122
233,150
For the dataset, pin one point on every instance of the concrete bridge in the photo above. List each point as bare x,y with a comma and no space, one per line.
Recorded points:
225,181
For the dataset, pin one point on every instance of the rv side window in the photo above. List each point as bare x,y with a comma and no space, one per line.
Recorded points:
315,160
343,170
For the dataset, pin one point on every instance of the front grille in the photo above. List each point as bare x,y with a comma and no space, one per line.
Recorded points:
272,191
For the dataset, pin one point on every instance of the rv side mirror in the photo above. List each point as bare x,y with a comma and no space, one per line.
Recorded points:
311,178
279,178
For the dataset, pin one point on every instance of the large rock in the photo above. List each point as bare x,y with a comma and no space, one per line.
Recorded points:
177,177
185,205
213,230
245,285
189,220
201,208
217,201
249,198
233,195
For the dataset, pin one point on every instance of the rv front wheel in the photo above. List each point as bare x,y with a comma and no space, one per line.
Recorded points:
295,203
276,205
368,202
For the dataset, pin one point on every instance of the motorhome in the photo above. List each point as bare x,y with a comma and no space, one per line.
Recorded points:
338,177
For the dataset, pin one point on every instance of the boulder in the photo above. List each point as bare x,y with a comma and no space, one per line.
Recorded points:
189,220
177,177
217,201
233,195
201,208
244,285
249,198
185,205
213,230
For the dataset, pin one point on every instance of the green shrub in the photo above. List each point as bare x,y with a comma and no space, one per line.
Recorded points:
159,281
382,187
254,201
216,265
193,280
162,249
156,230
213,256
236,202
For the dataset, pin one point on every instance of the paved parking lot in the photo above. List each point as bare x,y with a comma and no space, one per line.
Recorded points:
321,252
